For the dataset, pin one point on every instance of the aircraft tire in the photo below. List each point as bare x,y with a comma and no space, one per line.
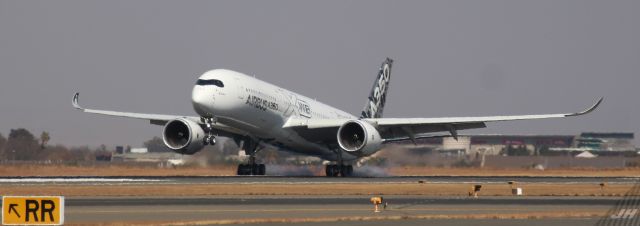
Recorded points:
262,169
244,169
332,170
346,170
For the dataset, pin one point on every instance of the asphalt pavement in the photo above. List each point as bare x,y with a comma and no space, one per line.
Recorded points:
311,180
352,210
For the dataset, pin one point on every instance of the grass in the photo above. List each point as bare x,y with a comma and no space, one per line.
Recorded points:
24,170
448,189
428,189
576,172
293,220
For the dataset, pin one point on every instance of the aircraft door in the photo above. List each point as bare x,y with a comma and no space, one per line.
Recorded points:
241,92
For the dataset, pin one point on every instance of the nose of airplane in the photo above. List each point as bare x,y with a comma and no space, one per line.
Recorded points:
201,100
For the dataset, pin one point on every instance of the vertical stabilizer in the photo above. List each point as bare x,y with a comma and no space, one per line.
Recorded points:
378,95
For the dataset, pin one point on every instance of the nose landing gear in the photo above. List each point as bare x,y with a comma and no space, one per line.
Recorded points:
209,139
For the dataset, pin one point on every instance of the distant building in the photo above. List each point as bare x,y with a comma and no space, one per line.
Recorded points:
139,150
451,145
496,144
606,141
103,156
503,144
586,154
162,158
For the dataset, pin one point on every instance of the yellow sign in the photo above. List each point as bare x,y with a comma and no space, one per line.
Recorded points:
32,210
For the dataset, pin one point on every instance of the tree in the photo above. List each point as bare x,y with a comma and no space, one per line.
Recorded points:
44,139
81,154
57,153
156,144
3,141
21,145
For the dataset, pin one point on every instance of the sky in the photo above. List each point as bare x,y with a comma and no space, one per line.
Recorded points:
452,58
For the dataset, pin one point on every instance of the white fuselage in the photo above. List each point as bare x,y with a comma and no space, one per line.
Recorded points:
261,109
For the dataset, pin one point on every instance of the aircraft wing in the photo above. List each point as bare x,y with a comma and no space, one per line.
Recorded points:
156,119
396,129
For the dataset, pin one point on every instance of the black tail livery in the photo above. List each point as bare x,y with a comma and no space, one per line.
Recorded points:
375,104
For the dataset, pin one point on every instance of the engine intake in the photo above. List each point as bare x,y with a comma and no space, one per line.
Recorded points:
183,136
359,138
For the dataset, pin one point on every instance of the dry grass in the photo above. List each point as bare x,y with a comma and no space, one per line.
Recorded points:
226,170
532,215
576,172
25,170
313,189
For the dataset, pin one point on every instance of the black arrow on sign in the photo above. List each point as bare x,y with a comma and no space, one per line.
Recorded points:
12,207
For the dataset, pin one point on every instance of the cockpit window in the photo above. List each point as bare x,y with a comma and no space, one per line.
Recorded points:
206,82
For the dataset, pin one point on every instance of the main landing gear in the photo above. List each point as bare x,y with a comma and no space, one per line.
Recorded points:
339,169
252,168
249,145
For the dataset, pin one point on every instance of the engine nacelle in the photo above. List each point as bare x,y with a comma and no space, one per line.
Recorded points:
183,136
359,138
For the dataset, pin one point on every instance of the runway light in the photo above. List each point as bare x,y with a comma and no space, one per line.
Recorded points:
376,201
602,186
515,190
475,189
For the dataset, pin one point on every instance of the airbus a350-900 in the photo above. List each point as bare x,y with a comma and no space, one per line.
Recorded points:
257,114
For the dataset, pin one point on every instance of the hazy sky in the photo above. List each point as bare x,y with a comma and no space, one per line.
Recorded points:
452,58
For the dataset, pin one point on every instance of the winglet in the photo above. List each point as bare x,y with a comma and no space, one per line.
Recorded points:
589,110
75,101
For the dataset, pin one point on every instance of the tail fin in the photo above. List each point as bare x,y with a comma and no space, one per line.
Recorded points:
375,104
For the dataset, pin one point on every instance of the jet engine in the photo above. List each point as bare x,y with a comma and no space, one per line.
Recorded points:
183,136
359,138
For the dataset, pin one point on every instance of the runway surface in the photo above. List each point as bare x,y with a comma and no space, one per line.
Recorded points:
330,210
328,200
352,210
311,180
458,222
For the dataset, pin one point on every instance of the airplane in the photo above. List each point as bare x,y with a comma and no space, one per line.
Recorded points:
257,114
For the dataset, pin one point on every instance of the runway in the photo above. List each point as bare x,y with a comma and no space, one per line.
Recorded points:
459,222
184,207
323,200
113,180
352,210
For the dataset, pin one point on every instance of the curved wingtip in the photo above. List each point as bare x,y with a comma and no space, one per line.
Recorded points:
588,110
75,101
